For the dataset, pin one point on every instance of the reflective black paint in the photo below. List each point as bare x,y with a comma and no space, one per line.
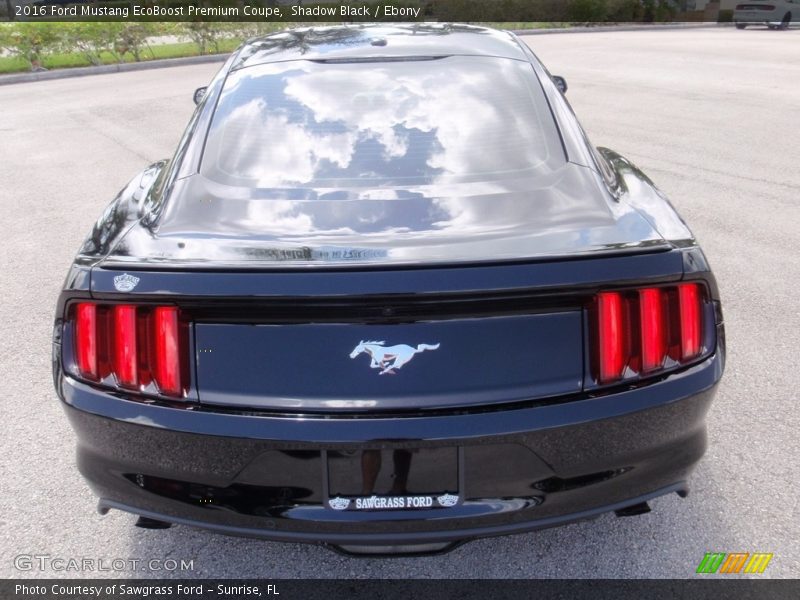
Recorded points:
307,366
525,468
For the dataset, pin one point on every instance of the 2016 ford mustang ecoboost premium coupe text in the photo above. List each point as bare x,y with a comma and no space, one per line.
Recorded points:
386,296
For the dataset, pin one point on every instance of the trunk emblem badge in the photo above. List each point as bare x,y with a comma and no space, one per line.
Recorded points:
125,282
389,358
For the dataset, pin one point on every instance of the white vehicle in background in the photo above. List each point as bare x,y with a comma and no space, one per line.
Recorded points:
775,14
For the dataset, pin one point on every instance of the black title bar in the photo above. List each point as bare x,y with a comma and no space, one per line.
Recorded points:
509,11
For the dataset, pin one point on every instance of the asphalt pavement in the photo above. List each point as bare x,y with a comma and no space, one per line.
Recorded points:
713,116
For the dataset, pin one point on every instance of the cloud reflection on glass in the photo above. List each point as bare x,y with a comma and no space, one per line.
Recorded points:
394,123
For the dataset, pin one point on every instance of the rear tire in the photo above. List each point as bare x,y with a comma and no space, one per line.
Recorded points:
741,25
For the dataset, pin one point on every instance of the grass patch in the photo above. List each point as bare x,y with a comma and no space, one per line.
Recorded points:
520,25
69,60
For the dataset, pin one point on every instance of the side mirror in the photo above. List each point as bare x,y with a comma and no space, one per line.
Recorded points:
199,94
561,83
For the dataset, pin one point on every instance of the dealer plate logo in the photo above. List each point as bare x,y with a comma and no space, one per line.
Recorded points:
339,503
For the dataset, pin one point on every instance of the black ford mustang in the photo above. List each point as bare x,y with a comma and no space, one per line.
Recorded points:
387,296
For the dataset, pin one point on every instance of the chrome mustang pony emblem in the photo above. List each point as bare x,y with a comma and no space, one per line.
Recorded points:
389,358
125,282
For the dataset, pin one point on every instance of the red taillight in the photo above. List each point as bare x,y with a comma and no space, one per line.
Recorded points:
651,323
646,330
86,339
125,359
611,331
167,369
135,344
690,318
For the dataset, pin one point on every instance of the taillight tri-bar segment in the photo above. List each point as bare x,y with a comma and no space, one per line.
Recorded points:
140,346
647,330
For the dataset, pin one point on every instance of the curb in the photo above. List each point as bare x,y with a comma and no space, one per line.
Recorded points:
116,68
614,28
212,58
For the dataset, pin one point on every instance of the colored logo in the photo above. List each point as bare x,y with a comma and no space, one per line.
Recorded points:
733,563
125,282
390,358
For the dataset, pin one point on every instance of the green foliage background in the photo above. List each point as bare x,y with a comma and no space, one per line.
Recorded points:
37,45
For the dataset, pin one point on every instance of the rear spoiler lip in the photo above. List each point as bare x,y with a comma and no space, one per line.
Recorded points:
255,266
656,265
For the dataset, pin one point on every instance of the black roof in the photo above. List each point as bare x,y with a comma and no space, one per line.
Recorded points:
378,40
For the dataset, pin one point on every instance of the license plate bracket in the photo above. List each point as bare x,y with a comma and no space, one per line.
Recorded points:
393,478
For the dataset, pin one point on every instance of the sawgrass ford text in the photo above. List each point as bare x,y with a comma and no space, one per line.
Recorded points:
343,11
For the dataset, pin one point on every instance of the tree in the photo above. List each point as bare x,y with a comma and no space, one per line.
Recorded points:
587,11
204,34
132,37
31,41
93,39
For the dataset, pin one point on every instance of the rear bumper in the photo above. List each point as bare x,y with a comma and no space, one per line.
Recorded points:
267,476
750,18
399,537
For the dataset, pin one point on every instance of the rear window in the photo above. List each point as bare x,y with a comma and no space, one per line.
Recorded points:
381,124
